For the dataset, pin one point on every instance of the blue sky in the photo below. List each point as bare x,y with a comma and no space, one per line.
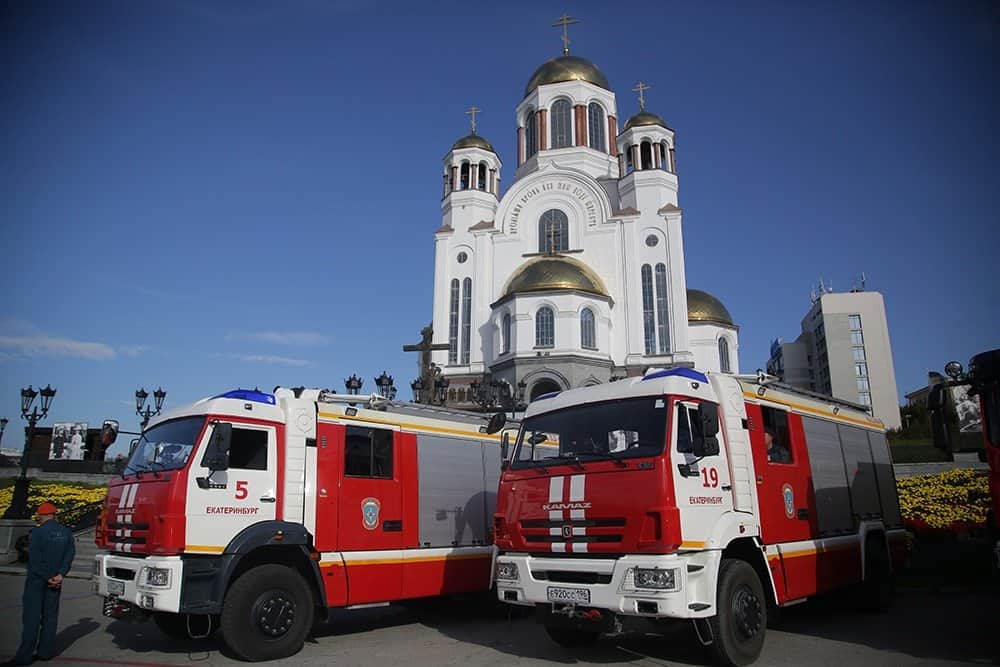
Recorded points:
207,194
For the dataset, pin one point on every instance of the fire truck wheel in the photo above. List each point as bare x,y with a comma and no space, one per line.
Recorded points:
267,613
875,592
571,637
175,626
739,626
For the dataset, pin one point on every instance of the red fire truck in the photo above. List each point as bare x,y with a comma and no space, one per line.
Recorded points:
689,495
250,512
982,380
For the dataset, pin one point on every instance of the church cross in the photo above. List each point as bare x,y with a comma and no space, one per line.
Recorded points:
552,238
565,21
473,110
640,88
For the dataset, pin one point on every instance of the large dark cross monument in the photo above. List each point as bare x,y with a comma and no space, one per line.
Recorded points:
428,371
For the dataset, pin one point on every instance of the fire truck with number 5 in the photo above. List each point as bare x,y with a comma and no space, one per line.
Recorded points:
250,513
689,495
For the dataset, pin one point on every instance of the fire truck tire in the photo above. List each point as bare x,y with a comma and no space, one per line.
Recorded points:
875,592
175,626
571,637
267,613
739,626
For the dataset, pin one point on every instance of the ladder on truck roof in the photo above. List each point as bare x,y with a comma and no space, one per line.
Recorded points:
762,379
378,402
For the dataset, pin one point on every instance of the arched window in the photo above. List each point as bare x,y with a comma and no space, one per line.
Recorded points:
481,182
664,156
530,134
648,316
662,326
453,324
673,161
724,355
646,155
562,127
505,333
466,318
464,179
595,118
587,335
553,231
545,333
629,167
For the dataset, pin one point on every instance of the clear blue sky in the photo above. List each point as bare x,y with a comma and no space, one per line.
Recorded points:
210,194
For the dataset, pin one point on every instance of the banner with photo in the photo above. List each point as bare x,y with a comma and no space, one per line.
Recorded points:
966,410
68,441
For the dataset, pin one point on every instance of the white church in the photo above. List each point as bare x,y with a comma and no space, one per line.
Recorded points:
575,274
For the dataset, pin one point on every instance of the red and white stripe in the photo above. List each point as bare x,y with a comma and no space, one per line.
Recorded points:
576,494
126,507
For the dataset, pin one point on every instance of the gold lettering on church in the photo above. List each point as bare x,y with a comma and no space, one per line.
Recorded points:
580,194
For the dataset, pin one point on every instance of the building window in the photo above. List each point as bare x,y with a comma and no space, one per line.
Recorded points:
368,453
865,398
863,385
662,326
629,166
646,155
861,370
530,134
462,257
553,231
481,180
544,327
587,333
855,322
464,179
466,319
595,117
859,353
505,332
562,127
652,240
648,318
453,324
857,338
724,355
664,156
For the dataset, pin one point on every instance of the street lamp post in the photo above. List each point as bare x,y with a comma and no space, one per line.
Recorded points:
3,427
353,384
19,503
418,387
385,386
149,412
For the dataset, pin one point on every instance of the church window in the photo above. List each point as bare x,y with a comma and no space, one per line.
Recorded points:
531,134
662,326
464,178
505,332
724,355
562,128
466,319
595,116
481,181
664,156
648,318
453,324
463,257
544,327
629,167
646,155
553,231
587,333
652,240
673,161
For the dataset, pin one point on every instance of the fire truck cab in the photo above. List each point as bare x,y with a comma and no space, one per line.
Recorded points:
250,512
690,495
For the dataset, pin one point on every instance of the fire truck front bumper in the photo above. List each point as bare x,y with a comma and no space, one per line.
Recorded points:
658,586
152,583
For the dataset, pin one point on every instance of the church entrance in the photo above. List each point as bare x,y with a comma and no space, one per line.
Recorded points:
543,387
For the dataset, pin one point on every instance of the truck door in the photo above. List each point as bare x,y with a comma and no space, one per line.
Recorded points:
370,514
230,500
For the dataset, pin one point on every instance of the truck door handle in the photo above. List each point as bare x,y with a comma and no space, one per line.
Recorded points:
267,499
803,514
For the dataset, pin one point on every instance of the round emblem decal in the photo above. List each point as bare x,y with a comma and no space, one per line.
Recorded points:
788,496
369,513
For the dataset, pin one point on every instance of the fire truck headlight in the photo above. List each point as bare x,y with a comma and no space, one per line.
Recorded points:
157,576
507,571
655,578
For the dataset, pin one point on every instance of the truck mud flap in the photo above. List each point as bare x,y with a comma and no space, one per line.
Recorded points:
575,617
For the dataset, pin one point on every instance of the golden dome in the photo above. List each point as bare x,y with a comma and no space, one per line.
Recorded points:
554,272
643,118
567,68
703,307
473,141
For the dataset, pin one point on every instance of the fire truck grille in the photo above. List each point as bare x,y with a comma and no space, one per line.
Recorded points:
115,539
568,577
576,523
121,573
128,526
590,539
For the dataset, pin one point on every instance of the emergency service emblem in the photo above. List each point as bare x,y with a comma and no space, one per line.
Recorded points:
789,497
369,513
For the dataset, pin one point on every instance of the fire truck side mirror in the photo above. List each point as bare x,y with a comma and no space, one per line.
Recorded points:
217,455
504,448
109,432
496,423
936,400
705,443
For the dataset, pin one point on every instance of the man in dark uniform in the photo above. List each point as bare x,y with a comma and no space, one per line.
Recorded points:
776,452
50,555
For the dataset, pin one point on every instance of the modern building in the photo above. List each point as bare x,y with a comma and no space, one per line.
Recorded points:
575,274
843,351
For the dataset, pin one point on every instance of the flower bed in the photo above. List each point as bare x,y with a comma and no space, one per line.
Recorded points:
953,502
67,497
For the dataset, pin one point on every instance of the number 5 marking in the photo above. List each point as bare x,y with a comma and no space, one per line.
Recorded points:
241,490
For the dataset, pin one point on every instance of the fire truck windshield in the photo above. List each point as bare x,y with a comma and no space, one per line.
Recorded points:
614,430
166,446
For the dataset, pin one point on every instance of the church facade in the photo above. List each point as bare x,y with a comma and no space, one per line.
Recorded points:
575,274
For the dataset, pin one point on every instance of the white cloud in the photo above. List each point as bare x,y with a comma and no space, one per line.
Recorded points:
283,337
53,346
269,359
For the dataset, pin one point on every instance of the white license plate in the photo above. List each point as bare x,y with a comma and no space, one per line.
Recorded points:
116,587
557,594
